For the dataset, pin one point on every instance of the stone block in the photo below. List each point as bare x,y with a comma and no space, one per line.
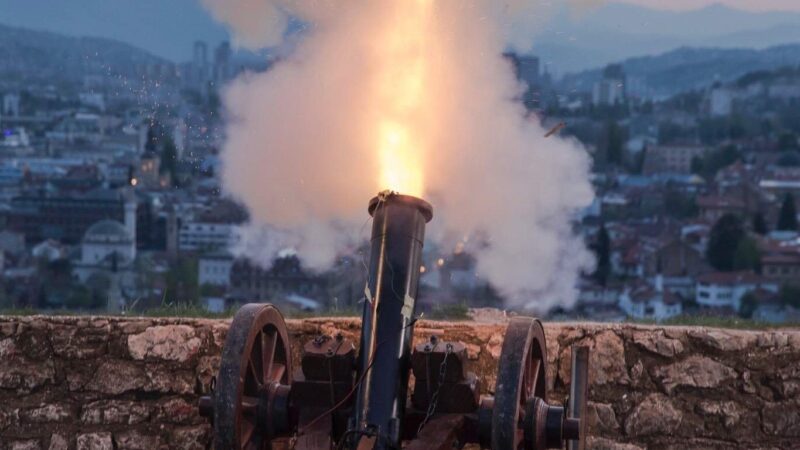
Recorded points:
656,414
29,444
118,376
178,410
656,342
602,418
48,413
95,441
167,342
133,440
695,371
190,438
782,419
58,442
169,381
112,412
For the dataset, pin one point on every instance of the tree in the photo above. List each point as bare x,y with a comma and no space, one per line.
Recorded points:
602,251
790,295
787,219
614,144
678,204
787,141
723,242
748,306
181,282
760,224
748,256
169,159
151,143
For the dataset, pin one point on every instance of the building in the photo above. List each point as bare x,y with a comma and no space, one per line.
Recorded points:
778,188
650,302
720,102
222,63
214,269
10,106
610,90
782,267
64,217
205,236
77,128
726,289
677,263
286,277
526,68
713,207
106,240
672,158
200,67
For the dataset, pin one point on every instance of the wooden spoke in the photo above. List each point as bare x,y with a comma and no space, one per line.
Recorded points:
269,342
278,369
256,350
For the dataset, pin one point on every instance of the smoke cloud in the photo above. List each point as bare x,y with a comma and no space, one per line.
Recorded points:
301,149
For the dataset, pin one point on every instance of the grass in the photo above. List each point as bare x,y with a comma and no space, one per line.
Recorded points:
457,311
453,312
720,322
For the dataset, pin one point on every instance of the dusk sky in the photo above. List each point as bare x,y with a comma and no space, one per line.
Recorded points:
751,5
168,28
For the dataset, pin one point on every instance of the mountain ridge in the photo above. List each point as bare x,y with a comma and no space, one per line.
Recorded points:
687,68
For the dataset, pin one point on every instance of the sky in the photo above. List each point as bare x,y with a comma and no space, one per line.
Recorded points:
168,28
750,5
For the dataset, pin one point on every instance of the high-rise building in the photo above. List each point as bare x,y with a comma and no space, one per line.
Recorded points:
222,62
10,105
611,89
526,68
200,62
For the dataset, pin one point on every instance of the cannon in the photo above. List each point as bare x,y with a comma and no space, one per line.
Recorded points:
356,398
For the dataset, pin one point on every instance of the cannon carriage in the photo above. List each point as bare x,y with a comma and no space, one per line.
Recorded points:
344,396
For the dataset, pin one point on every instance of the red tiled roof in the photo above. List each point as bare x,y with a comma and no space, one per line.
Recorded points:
781,258
718,202
730,278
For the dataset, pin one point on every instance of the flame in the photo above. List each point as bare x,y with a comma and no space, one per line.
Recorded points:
401,85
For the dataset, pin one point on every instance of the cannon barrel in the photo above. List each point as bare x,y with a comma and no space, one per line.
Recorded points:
398,232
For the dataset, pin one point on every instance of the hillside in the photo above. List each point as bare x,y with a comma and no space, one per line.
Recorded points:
572,42
689,68
47,56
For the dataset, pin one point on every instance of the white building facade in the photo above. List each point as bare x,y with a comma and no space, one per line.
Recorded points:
215,269
196,236
726,289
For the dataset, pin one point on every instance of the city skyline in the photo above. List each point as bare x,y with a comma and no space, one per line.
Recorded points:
169,29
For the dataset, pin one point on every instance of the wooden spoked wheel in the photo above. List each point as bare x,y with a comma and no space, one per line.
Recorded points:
520,376
252,385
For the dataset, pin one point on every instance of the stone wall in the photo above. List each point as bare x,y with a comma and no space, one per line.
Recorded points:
103,383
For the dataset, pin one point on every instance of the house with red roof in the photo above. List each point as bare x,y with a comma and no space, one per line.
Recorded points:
725,289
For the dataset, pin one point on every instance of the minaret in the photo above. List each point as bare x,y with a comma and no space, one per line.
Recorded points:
171,231
114,301
130,215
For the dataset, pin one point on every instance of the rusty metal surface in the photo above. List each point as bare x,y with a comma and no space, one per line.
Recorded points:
255,363
327,357
462,397
428,356
441,433
309,394
578,396
520,375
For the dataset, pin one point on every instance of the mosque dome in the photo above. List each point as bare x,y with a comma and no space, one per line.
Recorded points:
107,232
